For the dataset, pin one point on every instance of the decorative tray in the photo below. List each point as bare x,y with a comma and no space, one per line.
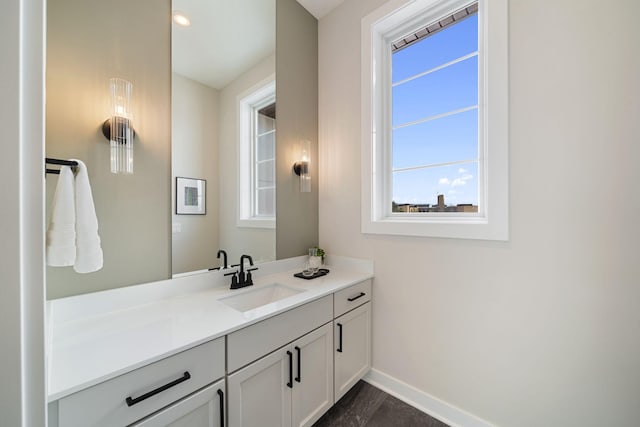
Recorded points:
321,272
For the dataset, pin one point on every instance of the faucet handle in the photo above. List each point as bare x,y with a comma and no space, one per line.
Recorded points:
234,279
249,279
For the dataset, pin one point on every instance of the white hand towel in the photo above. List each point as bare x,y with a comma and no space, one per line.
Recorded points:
61,232
88,250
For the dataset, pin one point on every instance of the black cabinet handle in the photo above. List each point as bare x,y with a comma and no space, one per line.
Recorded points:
298,351
339,338
356,297
221,394
131,401
290,383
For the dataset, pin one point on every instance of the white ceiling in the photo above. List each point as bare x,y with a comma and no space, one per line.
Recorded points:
320,8
225,39
228,37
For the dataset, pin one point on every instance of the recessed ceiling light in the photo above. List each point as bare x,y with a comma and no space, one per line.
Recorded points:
181,19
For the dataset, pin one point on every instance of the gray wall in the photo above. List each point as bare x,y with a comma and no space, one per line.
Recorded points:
194,147
297,119
89,42
542,329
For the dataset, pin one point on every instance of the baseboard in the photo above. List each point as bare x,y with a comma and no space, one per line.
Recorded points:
443,411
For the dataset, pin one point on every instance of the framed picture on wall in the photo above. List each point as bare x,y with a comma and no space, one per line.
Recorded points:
191,196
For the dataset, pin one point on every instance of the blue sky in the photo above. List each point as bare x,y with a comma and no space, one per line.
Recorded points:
448,139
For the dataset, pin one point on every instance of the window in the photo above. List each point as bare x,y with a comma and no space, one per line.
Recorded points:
434,95
257,112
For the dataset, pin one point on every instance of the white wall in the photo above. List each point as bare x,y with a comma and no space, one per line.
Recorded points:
260,243
543,329
194,154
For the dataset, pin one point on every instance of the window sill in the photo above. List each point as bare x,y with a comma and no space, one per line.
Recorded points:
257,223
476,228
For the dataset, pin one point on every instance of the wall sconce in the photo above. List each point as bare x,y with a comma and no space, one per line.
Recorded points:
118,129
301,168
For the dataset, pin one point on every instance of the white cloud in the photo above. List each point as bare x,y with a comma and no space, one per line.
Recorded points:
444,181
462,170
466,177
457,182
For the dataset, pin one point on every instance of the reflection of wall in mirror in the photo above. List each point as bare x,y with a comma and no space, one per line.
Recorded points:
297,95
194,154
89,42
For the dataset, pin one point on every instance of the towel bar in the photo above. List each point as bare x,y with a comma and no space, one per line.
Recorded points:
53,161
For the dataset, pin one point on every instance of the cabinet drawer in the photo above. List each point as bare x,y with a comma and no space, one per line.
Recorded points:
106,404
202,409
351,297
251,343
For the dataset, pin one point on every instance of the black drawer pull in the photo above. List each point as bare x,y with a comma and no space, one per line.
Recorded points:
339,350
221,394
299,352
290,383
131,401
356,297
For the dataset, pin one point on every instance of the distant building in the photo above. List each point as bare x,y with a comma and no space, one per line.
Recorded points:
440,207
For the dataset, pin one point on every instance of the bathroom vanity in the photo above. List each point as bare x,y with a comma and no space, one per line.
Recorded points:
191,352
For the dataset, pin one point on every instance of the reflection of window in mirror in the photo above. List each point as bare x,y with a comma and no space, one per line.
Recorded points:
264,184
257,199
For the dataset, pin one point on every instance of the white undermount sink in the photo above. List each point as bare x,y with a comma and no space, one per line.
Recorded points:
259,296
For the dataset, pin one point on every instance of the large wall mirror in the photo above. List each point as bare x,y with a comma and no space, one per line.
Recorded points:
187,125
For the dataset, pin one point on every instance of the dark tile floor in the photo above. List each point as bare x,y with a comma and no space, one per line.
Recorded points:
365,405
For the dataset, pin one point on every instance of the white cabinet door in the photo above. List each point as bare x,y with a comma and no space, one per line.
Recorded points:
259,395
204,408
292,386
313,376
352,348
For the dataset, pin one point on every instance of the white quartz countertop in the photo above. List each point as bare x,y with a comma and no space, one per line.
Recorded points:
89,348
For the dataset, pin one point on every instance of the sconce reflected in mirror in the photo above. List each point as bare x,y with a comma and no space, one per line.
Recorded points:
118,129
301,168
181,18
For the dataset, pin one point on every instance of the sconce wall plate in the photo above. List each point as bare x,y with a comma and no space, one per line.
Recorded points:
301,167
123,125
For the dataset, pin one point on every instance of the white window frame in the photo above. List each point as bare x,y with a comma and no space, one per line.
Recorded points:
387,24
249,102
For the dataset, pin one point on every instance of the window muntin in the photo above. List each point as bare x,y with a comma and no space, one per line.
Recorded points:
435,142
423,141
